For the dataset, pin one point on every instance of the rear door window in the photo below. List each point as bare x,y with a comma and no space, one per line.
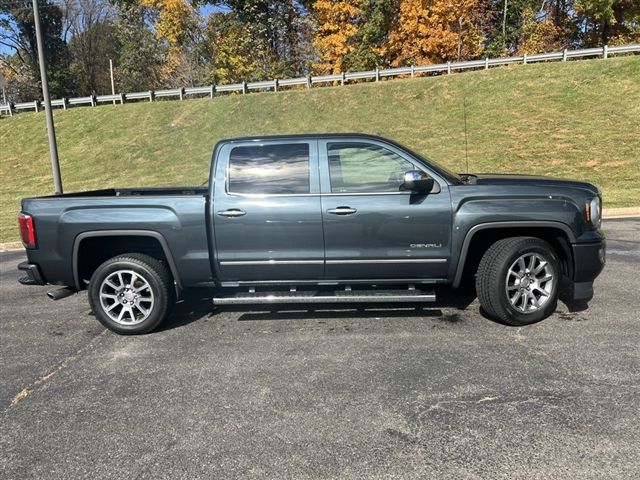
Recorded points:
280,169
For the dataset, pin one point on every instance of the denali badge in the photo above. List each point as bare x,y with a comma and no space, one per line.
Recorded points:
425,245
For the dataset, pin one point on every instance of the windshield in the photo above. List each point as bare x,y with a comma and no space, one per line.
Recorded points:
445,172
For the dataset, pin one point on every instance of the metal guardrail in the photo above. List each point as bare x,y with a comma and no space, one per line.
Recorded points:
342,78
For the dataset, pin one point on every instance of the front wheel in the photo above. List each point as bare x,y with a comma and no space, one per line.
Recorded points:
518,280
131,294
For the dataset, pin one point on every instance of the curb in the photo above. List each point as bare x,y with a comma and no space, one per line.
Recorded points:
611,213
607,214
11,246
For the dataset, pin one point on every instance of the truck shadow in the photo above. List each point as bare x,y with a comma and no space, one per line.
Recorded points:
198,305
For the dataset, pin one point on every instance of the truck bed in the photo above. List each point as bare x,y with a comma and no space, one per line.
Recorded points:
175,216
129,192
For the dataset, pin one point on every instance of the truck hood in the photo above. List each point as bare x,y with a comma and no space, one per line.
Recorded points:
533,180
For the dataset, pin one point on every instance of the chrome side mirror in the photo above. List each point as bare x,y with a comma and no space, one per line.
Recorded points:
417,181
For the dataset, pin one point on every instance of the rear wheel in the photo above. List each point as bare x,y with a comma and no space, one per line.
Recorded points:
131,293
518,280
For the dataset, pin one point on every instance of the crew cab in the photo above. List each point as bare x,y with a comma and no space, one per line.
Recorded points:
319,218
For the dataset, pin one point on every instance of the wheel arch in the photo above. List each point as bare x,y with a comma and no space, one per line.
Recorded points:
479,237
116,242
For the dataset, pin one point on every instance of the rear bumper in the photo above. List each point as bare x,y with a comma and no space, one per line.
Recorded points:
33,275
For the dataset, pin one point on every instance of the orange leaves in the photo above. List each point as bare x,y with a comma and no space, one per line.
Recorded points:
431,31
336,27
418,32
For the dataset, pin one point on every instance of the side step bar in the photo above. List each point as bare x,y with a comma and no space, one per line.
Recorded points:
343,296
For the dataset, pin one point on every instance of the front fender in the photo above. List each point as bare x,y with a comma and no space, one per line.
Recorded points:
482,214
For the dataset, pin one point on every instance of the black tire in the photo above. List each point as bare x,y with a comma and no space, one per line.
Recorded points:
492,281
159,287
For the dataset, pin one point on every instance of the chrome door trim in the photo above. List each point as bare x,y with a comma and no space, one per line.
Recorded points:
271,262
331,262
387,260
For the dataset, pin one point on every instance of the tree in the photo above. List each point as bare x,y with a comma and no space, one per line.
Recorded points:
257,40
174,20
609,21
141,55
279,34
430,31
89,24
17,35
532,26
336,29
230,48
177,28
540,34
374,23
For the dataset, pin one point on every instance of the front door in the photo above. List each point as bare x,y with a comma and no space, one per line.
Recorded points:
267,222
372,228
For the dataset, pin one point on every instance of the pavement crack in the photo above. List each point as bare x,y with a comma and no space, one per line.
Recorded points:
26,391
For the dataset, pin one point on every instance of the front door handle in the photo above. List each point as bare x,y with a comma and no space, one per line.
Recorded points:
232,212
342,211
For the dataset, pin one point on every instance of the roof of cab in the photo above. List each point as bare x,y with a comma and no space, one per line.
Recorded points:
312,136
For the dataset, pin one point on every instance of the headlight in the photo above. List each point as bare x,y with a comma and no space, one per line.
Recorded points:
593,211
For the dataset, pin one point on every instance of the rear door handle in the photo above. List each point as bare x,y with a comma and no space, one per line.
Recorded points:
342,210
232,212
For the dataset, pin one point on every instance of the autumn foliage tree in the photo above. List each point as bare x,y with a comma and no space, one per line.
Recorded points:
172,43
373,25
541,34
176,24
609,21
258,39
431,31
230,48
141,56
336,28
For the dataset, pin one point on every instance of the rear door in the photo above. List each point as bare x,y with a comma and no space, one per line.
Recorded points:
373,229
267,222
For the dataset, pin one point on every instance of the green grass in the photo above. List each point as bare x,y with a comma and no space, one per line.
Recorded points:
575,119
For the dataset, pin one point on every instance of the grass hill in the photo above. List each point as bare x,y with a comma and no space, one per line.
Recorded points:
575,119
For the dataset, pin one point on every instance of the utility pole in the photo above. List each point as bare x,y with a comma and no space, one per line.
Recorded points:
113,86
53,146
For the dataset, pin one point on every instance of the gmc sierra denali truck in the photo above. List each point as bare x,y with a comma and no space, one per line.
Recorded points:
319,218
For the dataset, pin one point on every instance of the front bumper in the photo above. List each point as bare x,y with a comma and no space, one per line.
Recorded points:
588,261
33,275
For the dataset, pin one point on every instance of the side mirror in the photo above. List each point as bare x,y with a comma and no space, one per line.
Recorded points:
417,181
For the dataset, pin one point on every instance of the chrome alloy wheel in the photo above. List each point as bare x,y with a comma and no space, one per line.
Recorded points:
529,284
126,297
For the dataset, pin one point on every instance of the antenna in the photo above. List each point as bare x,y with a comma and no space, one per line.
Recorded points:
466,142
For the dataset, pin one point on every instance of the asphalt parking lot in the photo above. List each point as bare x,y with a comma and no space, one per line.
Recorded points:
439,392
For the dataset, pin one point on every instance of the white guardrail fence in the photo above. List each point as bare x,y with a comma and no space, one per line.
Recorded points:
342,78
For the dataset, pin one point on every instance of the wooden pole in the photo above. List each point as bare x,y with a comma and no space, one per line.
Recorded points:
113,85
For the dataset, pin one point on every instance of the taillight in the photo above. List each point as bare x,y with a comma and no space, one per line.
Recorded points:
27,230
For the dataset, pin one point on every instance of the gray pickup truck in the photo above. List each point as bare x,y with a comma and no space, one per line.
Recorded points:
319,219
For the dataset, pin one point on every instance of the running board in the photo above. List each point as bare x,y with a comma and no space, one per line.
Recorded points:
342,296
